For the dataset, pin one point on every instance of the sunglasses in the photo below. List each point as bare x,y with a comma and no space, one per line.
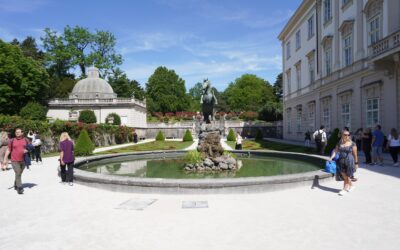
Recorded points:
346,134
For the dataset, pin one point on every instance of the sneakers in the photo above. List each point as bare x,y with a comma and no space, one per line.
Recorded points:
351,188
342,192
70,183
20,191
396,164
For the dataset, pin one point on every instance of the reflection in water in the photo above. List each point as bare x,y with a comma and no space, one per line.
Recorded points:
173,168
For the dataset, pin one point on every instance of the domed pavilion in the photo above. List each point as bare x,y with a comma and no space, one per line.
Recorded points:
96,94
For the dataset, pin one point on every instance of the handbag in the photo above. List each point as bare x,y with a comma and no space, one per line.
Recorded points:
330,167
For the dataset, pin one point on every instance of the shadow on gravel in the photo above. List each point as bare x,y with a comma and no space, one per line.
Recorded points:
327,189
385,169
28,185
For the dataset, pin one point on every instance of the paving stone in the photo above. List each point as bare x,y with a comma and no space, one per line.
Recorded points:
136,204
194,204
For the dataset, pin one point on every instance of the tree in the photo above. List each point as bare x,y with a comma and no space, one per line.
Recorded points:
248,93
271,111
124,87
194,97
166,91
61,87
30,49
22,79
78,47
160,136
87,116
188,136
231,135
33,111
278,91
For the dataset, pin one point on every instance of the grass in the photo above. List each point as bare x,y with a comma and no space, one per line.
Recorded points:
260,145
150,146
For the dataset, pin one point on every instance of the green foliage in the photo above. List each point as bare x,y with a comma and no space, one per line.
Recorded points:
230,154
22,79
231,135
259,135
249,93
115,117
33,111
188,136
193,157
166,92
124,87
61,87
194,97
10,123
84,146
87,116
271,111
332,141
79,47
160,136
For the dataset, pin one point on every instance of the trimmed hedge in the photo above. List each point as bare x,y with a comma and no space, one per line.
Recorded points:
33,111
84,146
116,118
332,141
188,136
259,135
231,135
160,136
87,116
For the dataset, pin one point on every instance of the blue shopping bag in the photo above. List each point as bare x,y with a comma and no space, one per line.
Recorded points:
330,167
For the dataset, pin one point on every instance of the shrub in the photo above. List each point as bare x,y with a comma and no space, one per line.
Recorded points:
248,116
231,135
332,141
230,154
115,118
87,116
84,146
193,157
160,136
188,136
33,111
259,135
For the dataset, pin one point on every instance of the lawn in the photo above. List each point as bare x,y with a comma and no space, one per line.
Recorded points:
150,146
259,145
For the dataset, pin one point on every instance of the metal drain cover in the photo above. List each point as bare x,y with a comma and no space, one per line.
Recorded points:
136,204
194,204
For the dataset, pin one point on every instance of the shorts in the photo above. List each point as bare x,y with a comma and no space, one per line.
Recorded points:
376,151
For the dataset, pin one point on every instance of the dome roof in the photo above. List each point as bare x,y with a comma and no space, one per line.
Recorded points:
92,87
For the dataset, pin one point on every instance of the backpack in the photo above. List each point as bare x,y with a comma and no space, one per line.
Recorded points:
318,137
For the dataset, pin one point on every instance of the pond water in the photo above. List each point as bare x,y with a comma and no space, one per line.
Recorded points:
172,168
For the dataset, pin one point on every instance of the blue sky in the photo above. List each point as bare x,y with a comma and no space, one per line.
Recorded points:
219,40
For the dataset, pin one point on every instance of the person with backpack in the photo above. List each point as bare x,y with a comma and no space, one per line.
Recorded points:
17,147
37,143
320,140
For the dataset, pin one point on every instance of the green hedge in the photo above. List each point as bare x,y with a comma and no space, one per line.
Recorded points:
188,136
259,135
160,136
33,111
87,116
231,135
116,119
84,146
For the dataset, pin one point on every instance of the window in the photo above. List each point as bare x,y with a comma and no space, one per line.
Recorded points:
328,59
298,40
372,112
373,30
288,81
298,120
288,50
298,75
327,10
344,2
346,115
326,117
348,50
311,68
311,27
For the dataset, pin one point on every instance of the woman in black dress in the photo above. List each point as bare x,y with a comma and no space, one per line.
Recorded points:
366,145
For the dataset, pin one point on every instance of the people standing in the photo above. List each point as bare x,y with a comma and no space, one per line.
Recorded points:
393,145
239,140
377,145
31,137
347,161
3,148
37,143
17,149
366,144
358,137
320,140
67,159
307,138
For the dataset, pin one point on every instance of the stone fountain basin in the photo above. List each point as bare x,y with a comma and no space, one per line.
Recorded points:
189,186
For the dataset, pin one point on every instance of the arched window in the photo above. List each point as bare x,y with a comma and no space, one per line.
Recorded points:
373,11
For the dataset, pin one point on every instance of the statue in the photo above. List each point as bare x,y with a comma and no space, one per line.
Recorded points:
208,100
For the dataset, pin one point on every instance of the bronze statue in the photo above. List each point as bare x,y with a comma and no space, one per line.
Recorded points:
208,100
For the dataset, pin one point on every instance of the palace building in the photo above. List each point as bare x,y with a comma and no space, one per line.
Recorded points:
96,94
341,66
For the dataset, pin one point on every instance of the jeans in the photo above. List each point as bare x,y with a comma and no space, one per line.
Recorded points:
321,148
67,176
38,153
18,167
393,152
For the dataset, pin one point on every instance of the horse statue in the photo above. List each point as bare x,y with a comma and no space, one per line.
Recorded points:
208,100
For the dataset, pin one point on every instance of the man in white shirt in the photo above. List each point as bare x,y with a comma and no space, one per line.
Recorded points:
320,139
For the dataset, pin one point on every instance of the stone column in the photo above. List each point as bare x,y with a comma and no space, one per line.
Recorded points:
336,37
360,31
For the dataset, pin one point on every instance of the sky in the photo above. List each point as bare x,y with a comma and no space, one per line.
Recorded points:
215,39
